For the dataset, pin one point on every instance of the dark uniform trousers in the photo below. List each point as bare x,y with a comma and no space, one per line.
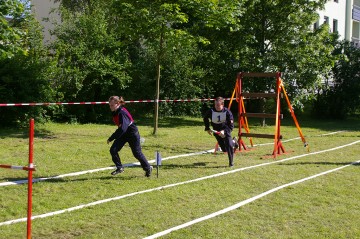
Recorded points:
132,137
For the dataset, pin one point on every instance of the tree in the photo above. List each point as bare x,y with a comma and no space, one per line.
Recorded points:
167,35
195,47
341,98
24,71
151,25
12,35
135,38
271,36
91,61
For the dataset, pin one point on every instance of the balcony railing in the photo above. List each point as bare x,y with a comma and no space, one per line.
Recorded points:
356,12
355,41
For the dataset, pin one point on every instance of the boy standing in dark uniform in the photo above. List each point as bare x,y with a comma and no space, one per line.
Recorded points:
127,132
222,121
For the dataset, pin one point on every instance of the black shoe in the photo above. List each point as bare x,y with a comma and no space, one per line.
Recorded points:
148,172
118,170
236,143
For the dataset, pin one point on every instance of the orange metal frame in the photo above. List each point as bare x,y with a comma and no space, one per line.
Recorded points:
242,119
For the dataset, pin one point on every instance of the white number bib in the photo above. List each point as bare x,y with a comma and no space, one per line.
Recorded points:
218,117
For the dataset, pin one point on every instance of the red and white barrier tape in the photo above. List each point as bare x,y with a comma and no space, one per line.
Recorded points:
30,168
103,102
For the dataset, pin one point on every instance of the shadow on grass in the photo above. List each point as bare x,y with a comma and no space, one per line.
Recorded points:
65,180
123,176
117,177
352,124
24,133
193,165
171,122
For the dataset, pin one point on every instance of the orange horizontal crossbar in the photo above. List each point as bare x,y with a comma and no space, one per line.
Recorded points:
268,136
261,115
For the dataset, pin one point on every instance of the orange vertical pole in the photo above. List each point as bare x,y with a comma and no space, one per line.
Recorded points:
232,96
246,123
293,115
31,146
239,107
276,138
279,123
278,147
240,110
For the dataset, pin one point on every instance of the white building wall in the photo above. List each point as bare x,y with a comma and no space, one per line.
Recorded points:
334,11
45,14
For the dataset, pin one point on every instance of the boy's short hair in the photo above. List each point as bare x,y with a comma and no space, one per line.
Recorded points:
220,100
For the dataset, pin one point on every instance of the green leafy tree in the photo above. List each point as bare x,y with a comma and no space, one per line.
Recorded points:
91,60
163,50
213,22
184,49
341,98
12,33
271,36
267,36
25,77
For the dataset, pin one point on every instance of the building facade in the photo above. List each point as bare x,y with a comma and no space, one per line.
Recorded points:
343,16
354,23
45,12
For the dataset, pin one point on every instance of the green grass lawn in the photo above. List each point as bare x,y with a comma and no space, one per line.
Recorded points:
323,207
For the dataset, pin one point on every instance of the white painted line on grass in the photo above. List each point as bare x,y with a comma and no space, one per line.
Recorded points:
242,203
288,140
331,133
172,185
35,180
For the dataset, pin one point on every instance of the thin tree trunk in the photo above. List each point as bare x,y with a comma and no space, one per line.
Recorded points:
262,110
158,74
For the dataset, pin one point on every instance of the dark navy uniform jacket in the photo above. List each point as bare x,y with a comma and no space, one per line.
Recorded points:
220,120
124,120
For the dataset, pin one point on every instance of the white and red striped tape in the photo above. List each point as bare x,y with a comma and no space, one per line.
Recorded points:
103,102
29,168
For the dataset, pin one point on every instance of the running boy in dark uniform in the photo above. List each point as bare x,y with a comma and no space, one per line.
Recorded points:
127,132
222,121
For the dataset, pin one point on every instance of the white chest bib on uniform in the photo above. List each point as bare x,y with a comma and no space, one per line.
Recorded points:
218,117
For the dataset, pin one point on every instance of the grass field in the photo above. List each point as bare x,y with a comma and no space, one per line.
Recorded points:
261,197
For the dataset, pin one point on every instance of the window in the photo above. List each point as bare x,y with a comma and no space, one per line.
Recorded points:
326,20
335,25
316,25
